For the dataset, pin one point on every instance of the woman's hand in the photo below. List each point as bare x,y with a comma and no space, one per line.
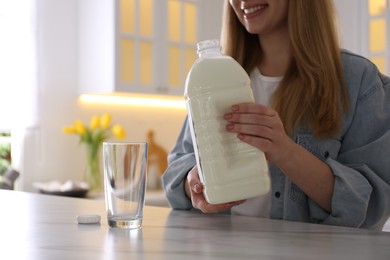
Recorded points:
260,126
194,190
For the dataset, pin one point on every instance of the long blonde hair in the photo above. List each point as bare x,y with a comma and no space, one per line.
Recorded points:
312,93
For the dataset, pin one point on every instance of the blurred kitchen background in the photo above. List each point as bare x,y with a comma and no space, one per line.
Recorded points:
53,51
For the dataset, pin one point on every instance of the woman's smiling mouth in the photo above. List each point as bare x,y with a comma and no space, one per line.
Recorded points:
253,10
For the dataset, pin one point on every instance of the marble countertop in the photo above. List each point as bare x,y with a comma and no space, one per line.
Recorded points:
37,226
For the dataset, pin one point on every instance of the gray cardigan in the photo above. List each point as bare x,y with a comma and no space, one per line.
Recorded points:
359,158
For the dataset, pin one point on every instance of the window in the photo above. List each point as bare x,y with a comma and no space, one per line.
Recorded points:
153,32
136,37
181,40
379,34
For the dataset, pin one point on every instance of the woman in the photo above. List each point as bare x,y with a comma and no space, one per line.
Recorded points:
321,117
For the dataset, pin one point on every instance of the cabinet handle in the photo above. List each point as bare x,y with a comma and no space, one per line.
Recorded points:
163,89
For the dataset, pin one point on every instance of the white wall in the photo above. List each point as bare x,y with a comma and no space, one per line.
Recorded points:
42,147
352,25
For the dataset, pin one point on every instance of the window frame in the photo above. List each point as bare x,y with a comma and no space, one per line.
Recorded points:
160,46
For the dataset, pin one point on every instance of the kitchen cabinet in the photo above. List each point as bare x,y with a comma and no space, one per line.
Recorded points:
142,46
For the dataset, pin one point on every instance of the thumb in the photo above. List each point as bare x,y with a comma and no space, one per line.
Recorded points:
197,188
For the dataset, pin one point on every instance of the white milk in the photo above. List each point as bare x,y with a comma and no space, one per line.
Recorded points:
229,169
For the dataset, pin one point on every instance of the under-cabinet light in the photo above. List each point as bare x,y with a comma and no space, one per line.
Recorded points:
134,100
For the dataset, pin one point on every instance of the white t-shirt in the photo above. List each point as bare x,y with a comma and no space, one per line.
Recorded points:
263,88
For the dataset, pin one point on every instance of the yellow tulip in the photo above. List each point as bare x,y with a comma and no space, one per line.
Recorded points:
105,121
79,127
98,131
118,132
69,130
95,121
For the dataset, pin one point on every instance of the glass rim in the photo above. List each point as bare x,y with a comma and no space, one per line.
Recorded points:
123,143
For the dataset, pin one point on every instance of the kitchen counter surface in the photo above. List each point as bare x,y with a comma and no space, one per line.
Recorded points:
37,226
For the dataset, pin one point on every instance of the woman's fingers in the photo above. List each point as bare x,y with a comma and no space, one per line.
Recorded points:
253,114
252,119
252,108
201,203
261,127
254,130
197,197
205,207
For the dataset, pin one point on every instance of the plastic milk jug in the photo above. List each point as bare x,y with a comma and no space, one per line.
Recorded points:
229,169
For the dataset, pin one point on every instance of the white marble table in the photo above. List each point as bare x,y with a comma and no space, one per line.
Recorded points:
36,226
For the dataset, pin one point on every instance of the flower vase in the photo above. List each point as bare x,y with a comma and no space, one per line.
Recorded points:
93,176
